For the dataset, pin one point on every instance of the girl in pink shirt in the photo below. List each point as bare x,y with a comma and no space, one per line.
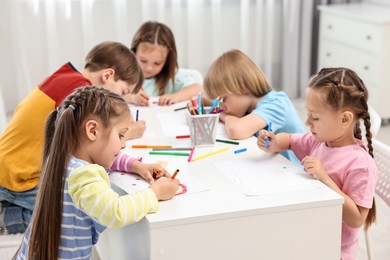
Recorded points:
333,151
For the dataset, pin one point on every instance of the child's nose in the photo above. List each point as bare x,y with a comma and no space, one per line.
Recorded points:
149,68
123,144
307,122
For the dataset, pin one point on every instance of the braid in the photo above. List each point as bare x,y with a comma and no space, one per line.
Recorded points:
367,124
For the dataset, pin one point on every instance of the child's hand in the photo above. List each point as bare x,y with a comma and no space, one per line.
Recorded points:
136,130
314,167
262,141
146,170
139,99
167,99
165,188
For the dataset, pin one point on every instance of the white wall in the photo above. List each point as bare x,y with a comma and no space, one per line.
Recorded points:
38,36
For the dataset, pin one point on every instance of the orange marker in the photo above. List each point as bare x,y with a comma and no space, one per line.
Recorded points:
176,172
155,173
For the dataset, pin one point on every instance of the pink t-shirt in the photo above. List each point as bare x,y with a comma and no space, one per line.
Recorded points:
353,170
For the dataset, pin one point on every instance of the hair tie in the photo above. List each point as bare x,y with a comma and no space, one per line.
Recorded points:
72,107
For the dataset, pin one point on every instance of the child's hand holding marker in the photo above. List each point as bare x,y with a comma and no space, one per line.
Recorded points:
266,139
165,188
147,171
164,194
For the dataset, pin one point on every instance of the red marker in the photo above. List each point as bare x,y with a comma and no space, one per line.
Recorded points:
182,136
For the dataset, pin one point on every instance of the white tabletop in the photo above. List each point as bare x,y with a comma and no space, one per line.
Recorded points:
223,199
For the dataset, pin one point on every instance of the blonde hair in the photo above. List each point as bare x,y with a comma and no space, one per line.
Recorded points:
235,73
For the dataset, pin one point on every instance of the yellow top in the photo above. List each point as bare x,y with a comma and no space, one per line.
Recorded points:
21,149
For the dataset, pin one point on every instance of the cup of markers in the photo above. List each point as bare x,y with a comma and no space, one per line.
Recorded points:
203,128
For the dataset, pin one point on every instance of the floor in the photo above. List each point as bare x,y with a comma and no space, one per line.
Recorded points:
379,233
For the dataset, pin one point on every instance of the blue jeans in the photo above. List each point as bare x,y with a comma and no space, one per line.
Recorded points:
18,214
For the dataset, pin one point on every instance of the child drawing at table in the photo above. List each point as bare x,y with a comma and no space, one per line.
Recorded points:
155,49
249,103
332,151
75,202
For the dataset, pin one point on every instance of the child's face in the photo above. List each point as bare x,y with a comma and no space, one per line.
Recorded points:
236,105
324,123
151,58
108,144
119,87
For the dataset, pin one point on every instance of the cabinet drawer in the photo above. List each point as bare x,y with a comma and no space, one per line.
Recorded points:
333,54
363,35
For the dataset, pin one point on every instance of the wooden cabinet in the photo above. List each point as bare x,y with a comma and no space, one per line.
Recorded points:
357,36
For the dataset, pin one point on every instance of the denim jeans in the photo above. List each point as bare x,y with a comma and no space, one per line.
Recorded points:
18,214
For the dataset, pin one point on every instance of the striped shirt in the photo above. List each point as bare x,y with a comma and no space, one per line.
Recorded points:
90,206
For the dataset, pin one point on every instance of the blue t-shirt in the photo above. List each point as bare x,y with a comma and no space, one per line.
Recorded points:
182,80
276,107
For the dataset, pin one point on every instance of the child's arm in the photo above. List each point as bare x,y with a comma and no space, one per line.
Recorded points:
89,188
276,143
182,95
353,215
125,163
242,128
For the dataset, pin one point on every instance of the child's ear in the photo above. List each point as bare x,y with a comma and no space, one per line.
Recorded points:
107,74
347,118
91,129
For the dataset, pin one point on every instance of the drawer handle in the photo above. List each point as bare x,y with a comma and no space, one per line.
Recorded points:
328,54
329,26
368,37
366,67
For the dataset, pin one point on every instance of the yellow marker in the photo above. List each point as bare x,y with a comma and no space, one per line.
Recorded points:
210,154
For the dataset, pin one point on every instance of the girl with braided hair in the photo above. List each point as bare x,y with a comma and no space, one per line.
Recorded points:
75,202
333,151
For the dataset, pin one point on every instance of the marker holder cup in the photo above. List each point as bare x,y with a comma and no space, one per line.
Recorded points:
203,128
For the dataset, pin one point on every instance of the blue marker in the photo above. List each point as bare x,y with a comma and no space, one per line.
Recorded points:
199,104
136,115
269,129
213,104
240,150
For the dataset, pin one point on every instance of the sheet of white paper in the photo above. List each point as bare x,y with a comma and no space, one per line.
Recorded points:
276,176
132,183
173,124
148,132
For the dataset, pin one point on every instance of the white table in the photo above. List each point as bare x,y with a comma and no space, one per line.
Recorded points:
223,222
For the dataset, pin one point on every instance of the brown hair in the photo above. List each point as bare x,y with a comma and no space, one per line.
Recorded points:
118,57
160,34
235,73
63,133
343,89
